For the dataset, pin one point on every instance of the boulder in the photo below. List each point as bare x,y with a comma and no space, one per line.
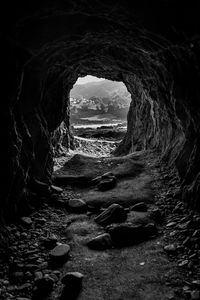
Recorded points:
60,253
115,213
128,234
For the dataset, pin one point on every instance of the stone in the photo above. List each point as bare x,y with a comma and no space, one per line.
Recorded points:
100,242
156,214
60,253
16,277
26,222
24,288
115,213
38,275
170,248
73,279
56,189
126,234
170,224
44,285
196,282
107,184
150,230
77,206
141,206
49,242
195,295
183,263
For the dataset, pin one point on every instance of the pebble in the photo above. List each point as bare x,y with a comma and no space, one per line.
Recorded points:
100,242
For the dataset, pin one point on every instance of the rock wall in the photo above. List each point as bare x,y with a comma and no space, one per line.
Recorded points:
146,45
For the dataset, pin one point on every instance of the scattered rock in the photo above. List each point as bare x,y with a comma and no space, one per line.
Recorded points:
60,253
100,242
115,213
77,206
141,206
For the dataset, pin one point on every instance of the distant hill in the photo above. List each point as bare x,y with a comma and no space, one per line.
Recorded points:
99,98
101,89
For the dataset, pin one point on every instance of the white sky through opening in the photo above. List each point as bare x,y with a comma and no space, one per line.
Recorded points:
88,78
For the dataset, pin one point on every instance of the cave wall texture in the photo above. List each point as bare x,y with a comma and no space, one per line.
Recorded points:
152,46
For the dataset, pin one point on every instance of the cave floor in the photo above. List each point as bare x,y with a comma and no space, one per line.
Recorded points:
145,270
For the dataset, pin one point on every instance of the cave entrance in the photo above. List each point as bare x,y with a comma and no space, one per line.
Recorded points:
98,114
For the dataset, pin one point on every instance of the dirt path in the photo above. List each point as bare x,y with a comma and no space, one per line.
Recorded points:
132,265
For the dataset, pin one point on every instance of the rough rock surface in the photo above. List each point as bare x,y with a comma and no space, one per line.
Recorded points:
156,57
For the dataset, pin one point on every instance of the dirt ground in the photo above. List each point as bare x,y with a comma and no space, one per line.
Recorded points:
143,271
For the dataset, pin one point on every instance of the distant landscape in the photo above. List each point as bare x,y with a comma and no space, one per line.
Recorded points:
99,102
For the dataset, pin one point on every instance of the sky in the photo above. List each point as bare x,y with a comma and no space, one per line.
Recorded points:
88,78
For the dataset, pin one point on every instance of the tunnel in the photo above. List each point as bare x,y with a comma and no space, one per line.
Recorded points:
153,47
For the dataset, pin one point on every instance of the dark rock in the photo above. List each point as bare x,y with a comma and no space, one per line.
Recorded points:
49,242
107,183
43,286
60,253
24,288
141,206
16,277
77,206
100,242
127,234
26,222
156,215
73,279
115,213
195,295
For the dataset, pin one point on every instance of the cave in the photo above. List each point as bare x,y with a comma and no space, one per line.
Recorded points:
154,49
